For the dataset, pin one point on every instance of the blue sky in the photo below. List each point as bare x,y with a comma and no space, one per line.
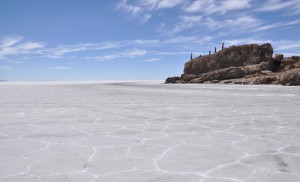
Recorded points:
133,39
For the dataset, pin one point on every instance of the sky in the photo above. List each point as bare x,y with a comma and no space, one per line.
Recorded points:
133,39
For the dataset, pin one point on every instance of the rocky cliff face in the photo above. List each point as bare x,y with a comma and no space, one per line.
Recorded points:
246,64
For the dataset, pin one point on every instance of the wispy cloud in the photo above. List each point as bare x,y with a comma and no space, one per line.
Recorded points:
5,68
245,41
179,40
61,50
280,46
288,45
143,9
240,24
160,4
173,53
119,55
276,25
215,6
186,22
14,45
8,41
130,9
194,16
60,68
15,62
152,60
275,5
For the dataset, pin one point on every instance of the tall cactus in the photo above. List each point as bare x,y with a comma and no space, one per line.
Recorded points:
215,49
191,56
209,52
222,45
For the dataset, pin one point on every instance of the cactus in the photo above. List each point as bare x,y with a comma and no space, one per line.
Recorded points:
209,52
200,56
191,56
215,49
222,45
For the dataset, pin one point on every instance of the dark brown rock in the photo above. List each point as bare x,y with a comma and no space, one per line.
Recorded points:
278,57
174,79
197,80
223,74
275,66
240,82
289,63
188,78
266,80
290,77
252,69
296,58
227,82
215,81
253,64
236,56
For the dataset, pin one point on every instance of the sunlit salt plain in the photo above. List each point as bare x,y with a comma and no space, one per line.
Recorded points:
148,131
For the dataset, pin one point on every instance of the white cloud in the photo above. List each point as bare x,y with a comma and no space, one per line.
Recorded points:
240,24
129,9
173,53
288,45
9,41
245,41
145,18
187,40
119,55
60,68
275,5
133,53
276,25
186,22
160,4
60,50
13,45
15,62
215,6
290,54
5,68
152,60
143,9
279,46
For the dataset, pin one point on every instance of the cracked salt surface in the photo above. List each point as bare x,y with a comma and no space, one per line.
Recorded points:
148,131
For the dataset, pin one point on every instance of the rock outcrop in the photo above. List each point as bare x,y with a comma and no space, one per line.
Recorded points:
290,77
246,64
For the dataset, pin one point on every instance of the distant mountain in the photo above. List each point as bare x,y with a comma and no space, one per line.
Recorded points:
245,64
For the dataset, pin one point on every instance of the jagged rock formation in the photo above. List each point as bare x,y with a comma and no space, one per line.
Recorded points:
246,64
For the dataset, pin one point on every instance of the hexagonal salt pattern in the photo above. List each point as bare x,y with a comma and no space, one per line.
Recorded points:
149,131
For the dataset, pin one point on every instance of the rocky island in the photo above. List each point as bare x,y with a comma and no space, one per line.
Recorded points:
245,64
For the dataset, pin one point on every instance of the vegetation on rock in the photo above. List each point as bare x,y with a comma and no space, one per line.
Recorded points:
251,64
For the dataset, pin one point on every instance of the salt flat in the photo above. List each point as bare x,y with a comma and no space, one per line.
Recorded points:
148,131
